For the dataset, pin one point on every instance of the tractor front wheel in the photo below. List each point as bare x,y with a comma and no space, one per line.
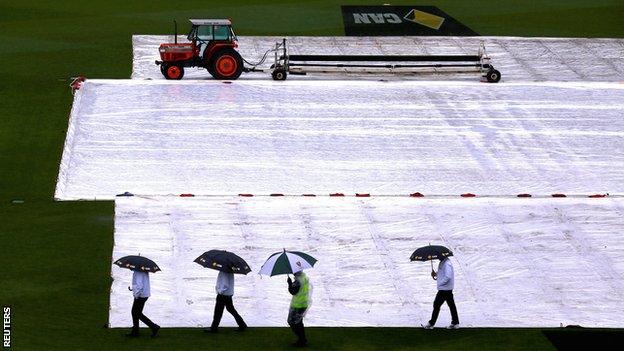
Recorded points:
226,64
175,72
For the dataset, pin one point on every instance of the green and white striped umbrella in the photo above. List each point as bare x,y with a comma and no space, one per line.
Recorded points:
287,262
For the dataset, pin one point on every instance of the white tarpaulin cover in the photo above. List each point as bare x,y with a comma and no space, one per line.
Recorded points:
295,137
518,59
518,262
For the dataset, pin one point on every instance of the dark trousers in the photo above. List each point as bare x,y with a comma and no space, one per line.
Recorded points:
137,315
225,301
295,321
442,297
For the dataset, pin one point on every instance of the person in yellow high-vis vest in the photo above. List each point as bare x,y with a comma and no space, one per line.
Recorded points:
300,290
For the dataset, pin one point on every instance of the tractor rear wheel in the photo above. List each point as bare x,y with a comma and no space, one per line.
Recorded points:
226,64
173,71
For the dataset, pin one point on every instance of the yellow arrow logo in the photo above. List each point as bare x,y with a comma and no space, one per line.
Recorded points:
425,19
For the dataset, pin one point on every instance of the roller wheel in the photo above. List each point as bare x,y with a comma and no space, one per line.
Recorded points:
279,74
226,64
493,76
175,72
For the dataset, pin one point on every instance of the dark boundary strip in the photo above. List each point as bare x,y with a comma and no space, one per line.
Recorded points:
585,339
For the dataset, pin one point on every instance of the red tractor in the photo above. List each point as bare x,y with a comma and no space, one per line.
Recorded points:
211,46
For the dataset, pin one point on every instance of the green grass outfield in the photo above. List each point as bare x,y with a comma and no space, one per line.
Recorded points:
55,257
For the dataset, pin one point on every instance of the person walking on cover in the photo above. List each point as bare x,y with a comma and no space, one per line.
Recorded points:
445,281
225,291
300,291
141,291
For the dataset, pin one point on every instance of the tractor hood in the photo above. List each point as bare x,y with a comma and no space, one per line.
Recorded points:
176,52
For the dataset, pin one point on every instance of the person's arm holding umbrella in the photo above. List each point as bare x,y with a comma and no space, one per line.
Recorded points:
293,287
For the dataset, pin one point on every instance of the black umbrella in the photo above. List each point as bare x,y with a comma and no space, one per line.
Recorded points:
138,263
223,261
429,253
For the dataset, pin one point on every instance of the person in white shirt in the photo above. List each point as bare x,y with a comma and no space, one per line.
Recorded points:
445,281
225,291
141,291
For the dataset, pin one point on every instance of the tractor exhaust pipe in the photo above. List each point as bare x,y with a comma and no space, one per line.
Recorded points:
175,31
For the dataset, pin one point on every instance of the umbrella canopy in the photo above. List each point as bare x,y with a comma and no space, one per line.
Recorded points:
223,261
430,252
287,262
138,263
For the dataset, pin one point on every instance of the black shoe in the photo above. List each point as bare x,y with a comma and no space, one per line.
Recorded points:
211,331
242,329
155,331
300,343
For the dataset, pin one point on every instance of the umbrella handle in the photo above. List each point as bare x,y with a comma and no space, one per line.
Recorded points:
433,271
